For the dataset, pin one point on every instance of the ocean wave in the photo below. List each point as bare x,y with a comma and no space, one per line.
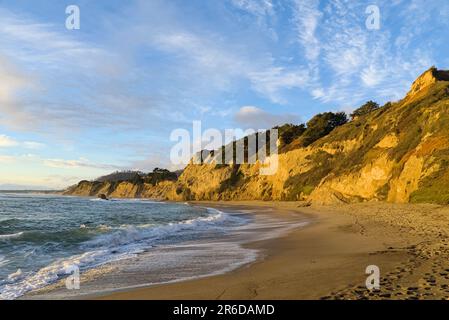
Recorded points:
18,283
11,221
15,276
3,261
40,237
123,243
121,200
98,200
11,236
126,234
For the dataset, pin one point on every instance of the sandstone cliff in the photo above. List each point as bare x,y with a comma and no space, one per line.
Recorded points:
397,153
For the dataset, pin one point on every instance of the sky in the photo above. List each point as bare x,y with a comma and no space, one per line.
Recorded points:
77,104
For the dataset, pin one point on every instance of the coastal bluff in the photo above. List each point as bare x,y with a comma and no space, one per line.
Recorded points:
398,152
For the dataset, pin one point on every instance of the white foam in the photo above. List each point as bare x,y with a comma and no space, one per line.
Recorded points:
16,275
38,280
127,234
3,261
131,200
121,244
10,236
19,283
127,241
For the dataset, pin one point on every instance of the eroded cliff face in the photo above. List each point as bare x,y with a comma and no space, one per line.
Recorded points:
398,153
121,189
426,80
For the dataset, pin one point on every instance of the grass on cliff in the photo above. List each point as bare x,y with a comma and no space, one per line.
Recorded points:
435,187
306,182
233,180
436,191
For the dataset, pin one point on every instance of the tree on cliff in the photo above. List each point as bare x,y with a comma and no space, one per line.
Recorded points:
289,132
117,176
160,174
368,107
321,125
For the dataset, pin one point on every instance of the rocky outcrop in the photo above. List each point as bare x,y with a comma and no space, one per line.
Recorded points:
426,80
102,196
124,189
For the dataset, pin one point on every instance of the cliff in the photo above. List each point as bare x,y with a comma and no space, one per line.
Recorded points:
396,153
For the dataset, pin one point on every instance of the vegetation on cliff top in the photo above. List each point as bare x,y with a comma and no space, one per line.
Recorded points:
132,176
365,109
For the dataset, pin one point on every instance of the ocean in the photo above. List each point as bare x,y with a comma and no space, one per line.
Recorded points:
128,242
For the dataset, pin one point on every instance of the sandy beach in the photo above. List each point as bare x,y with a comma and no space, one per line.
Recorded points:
327,259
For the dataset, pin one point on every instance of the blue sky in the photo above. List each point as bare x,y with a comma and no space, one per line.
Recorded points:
76,104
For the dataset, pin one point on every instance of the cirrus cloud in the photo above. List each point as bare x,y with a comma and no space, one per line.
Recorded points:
256,118
7,142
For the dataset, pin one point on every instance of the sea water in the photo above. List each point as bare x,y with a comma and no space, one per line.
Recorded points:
44,236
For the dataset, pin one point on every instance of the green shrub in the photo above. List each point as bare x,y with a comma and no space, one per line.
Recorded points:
321,125
367,108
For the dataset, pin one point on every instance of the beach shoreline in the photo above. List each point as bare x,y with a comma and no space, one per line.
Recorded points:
137,272
326,259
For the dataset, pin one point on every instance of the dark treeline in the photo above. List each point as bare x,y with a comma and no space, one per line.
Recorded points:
133,176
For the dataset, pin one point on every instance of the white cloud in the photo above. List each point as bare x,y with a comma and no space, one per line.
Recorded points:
80,163
207,59
41,44
307,16
74,170
273,81
318,93
262,16
258,8
13,159
255,118
351,63
59,163
6,159
6,141
33,145
51,61
62,181
11,83
219,65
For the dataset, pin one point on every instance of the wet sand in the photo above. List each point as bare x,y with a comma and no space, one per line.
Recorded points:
328,258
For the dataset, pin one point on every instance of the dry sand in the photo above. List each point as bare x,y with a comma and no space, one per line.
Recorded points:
328,258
